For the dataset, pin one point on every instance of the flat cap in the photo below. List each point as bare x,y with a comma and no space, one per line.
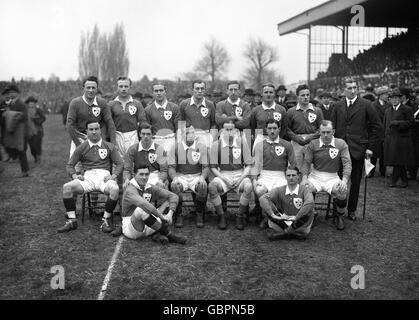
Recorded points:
381,90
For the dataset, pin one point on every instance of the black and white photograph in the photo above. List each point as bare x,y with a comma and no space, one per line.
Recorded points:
209,155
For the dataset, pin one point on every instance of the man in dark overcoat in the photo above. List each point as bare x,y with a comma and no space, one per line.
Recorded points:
398,146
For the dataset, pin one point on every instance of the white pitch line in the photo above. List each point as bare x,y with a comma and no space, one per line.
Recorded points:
110,269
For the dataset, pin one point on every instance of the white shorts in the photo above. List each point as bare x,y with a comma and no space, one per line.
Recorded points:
129,231
204,137
233,175
323,181
271,179
93,180
167,142
124,140
259,138
189,181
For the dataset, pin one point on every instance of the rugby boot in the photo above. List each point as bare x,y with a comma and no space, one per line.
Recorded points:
106,226
278,235
352,215
179,220
199,219
240,217
200,209
239,222
179,216
222,225
70,224
117,232
340,224
157,237
264,223
176,238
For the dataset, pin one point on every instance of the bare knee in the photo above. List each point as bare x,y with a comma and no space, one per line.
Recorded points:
248,188
201,188
67,190
260,191
113,190
176,187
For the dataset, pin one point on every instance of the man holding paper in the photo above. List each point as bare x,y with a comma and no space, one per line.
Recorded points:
290,208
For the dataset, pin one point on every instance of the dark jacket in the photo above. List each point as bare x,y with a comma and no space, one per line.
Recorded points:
327,114
398,144
359,125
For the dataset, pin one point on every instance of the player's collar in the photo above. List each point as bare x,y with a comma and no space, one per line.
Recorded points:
332,143
94,101
140,147
203,103
129,100
236,103
310,106
289,192
135,184
163,106
99,143
265,107
271,142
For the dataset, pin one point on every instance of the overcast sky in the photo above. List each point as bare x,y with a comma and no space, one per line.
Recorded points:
164,37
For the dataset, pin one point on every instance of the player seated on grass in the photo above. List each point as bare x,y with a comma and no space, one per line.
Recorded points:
140,216
290,208
97,158
323,158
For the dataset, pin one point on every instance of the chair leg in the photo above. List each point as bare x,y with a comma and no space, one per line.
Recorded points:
83,207
89,202
329,200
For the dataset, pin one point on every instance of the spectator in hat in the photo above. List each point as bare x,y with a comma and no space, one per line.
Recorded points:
36,118
317,100
258,98
398,122
326,105
405,97
15,131
281,95
249,97
369,93
380,105
147,99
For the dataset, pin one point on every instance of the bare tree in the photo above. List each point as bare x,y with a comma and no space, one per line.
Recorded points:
89,53
103,55
260,55
215,60
117,55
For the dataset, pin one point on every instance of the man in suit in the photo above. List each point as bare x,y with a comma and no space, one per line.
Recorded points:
356,122
326,105
281,95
